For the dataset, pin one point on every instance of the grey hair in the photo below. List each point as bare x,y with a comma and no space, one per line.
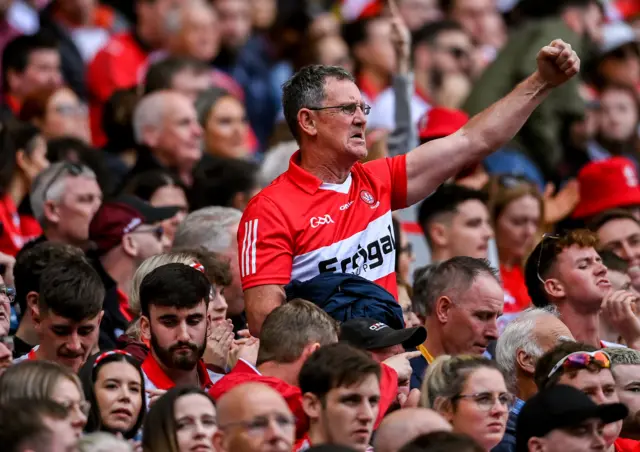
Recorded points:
451,277
209,227
43,190
276,161
175,18
102,442
306,89
149,112
623,356
518,335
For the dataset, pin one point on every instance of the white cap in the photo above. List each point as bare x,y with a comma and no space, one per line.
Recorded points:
615,35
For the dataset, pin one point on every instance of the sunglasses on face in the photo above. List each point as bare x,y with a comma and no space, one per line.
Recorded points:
582,360
157,231
8,292
347,109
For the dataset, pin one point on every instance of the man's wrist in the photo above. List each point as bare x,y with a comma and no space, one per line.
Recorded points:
538,84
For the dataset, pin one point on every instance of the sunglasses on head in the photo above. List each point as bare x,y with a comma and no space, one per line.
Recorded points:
542,243
70,168
582,360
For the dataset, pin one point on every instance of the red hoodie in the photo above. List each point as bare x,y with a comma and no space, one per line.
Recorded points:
245,373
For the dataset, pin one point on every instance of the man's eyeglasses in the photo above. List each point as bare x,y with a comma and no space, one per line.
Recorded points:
542,243
83,406
347,109
259,424
70,168
7,341
8,292
487,400
582,360
157,231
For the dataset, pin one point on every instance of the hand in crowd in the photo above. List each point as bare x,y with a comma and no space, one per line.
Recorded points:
219,342
411,400
558,206
557,63
400,363
619,309
400,38
154,394
245,348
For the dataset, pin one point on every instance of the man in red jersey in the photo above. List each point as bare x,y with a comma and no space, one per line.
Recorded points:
329,212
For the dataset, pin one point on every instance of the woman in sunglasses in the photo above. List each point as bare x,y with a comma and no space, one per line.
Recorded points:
585,368
516,208
470,392
182,420
114,384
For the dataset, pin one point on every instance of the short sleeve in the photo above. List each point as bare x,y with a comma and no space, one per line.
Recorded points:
391,172
265,251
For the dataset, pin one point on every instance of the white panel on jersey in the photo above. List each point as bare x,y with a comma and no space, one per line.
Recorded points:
340,188
369,253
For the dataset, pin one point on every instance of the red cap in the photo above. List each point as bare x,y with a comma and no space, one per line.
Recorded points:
605,185
440,122
116,218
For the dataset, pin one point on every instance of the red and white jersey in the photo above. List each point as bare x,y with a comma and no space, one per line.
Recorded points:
299,227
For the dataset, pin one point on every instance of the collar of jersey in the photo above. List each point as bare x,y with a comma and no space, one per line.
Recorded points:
302,178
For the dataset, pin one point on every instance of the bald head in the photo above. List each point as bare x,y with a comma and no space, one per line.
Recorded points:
250,404
403,426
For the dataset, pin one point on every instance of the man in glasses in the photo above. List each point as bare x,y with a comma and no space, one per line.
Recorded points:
585,368
329,212
341,394
64,199
125,232
563,419
253,417
625,366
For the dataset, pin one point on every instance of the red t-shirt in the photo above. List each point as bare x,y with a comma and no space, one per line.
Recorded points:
16,229
116,66
244,373
626,445
516,296
299,227
155,378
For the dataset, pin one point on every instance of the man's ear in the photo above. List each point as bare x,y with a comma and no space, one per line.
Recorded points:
51,212
219,441
35,317
307,122
129,245
525,362
100,316
438,234
151,136
443,309
312,406
145,328
308,351
32,300
536,444
554,288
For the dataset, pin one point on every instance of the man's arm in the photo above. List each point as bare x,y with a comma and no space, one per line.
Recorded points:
259,301
434,162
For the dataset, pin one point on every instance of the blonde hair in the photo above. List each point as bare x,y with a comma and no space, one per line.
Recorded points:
34,380
103,442
447,375
500,195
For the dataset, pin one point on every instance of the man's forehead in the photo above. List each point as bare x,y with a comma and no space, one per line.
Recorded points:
158,310
57,320
618,228
575,252
627,372
341,91
472,207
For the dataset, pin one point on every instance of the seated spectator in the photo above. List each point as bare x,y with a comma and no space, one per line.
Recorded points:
608,184
117,65
182,420
161,189
114,385
456,222
625,367
401,427
23,158
619,232
522,343
585,368
173,301
442,442
223,118
470,392
67,313
562,418
215,229
567,272
224,182
57,112
217,272
459,301
27,425
125,232
36,381
186,76
340,388
30,264
516,208
166,126
244,416
29,63
64,199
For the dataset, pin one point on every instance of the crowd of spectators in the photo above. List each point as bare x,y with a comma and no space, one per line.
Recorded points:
332,225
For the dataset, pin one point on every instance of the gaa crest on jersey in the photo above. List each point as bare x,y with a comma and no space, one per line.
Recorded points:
367,197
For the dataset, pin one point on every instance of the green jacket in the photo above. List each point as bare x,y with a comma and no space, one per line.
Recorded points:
540,137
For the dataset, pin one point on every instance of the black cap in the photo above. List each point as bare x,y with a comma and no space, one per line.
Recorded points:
150,213
561,407
369,334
